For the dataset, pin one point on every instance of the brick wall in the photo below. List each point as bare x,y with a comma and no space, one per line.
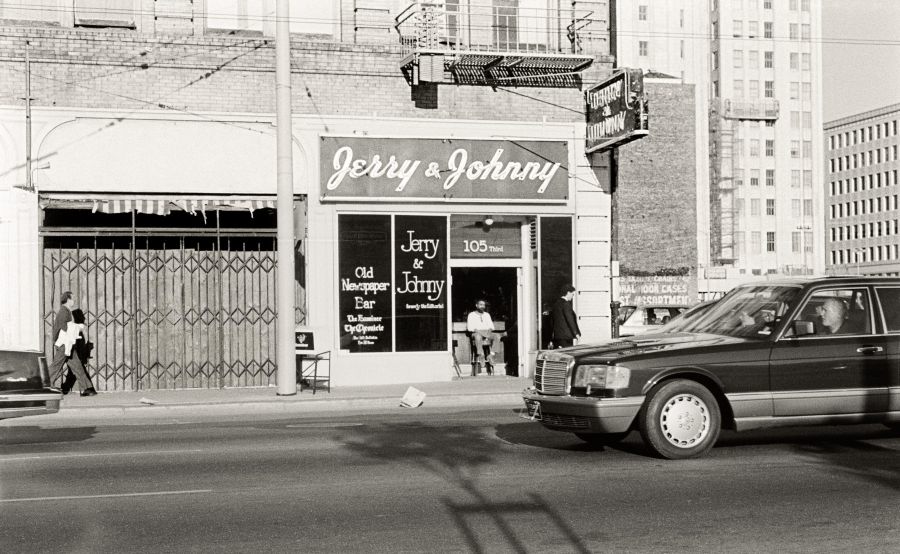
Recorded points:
124,70
657,199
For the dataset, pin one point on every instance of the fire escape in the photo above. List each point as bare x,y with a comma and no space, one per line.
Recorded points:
493,43
725,125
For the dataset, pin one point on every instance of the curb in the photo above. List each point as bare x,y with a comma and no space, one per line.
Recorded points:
273,407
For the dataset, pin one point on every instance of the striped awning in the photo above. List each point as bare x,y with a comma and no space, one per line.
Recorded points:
197,205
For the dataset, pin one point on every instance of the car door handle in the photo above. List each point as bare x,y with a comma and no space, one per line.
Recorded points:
870,349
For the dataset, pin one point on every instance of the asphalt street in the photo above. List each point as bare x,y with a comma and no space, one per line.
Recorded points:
436,480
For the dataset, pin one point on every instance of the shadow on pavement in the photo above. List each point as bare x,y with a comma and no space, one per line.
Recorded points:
458,455
40,435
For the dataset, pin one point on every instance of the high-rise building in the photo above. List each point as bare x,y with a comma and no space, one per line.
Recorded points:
862,216
760,64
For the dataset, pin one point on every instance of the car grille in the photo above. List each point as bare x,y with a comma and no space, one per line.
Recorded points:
567,421
550,375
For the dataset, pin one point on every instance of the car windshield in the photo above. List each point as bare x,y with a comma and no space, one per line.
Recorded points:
751,311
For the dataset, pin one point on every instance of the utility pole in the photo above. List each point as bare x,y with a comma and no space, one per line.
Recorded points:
29,184
286,377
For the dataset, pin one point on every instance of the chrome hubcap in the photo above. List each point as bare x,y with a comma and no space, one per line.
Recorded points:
684,420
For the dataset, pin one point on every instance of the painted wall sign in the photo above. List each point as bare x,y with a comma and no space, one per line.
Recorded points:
616,111
390,169
420,283
470,237
662,290
364,283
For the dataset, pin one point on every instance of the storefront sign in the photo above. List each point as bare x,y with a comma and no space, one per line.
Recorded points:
616,111
355,168
472,237
420,283
364,282
304,340
660,291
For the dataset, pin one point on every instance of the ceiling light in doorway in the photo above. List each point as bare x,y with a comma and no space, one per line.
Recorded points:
488,220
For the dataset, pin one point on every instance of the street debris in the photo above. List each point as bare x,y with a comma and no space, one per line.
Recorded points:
413,398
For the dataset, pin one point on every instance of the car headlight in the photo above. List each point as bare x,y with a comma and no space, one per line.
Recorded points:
601,377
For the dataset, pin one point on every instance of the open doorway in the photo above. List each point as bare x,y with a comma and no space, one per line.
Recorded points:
497,286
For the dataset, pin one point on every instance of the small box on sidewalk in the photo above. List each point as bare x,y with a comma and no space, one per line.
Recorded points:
413,398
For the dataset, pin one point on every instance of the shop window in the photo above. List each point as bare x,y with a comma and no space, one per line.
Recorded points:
368,246
364,283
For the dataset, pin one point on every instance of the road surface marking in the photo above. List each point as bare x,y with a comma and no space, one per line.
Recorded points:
322,425
94,496
96,454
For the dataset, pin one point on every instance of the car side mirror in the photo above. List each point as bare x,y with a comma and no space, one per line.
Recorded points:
801,328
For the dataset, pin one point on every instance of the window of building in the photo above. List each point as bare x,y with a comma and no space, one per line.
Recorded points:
33,10
768,31
753,59
795,119
795,148
792,5
642,13
770,89
807,120
754,177
737,28
770,153
681,18
769,59
753,89
767,4
738,59
795,60
770,206
753,29
795,208
793,31
807,207
681,50
738,177
755,242
754,206
807,149
643,47
807,178
805,31
770,241
804,5
806,62
738,88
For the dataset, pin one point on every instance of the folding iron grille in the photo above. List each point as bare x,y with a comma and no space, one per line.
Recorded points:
550,376
168,312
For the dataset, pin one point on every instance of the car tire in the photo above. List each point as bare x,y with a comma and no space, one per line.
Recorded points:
601,439
680,419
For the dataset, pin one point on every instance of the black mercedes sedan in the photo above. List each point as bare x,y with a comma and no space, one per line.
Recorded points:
776,353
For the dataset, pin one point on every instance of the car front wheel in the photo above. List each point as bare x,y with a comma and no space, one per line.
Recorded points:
680,419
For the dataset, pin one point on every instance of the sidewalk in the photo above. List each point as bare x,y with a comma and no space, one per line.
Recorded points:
468,391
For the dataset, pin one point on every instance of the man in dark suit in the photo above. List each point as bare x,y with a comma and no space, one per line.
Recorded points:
564,320
60,358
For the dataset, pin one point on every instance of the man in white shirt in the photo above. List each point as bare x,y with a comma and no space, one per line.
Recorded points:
481,328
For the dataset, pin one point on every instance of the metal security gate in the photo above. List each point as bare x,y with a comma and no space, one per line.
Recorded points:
168,311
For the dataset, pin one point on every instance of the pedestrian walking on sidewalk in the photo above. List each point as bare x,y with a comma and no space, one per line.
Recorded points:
82,349
565,322
65,334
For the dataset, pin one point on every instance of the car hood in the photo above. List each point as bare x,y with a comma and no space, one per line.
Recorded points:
654,343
